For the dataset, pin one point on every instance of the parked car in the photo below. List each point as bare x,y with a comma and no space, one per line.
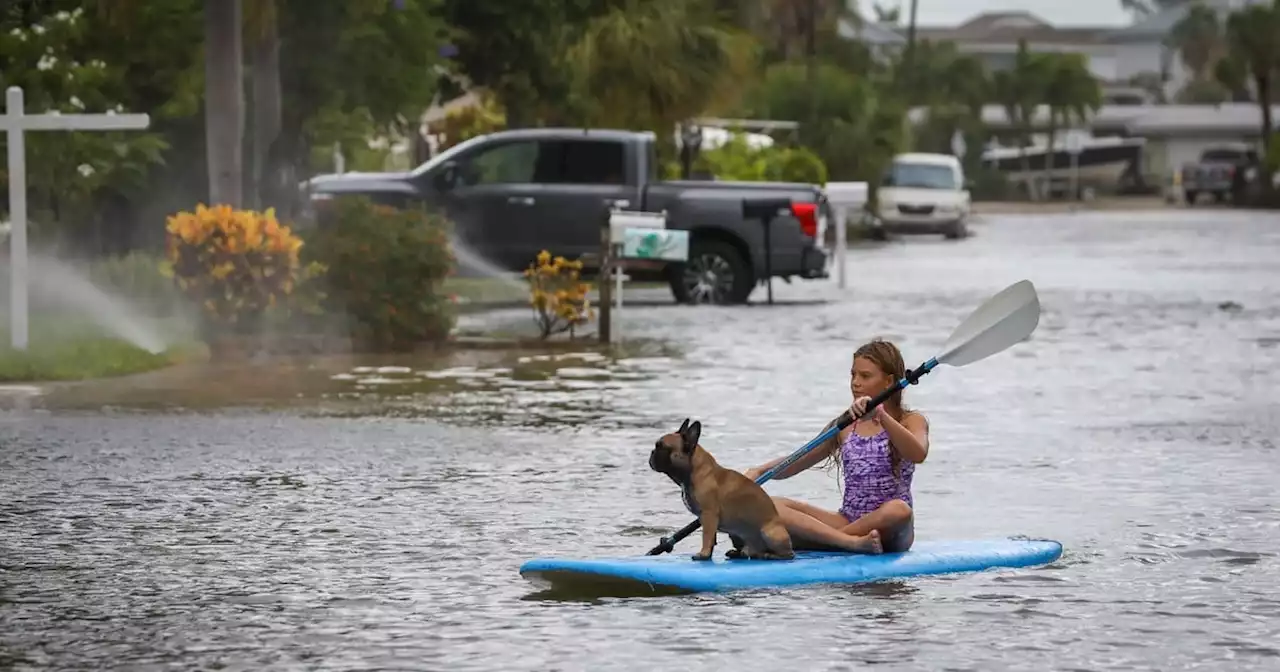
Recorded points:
1220,172
514,193
923,193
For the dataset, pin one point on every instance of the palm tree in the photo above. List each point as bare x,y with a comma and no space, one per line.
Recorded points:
262,25
1071,93
224,101
1198,39
657,63
1020,91
1253,36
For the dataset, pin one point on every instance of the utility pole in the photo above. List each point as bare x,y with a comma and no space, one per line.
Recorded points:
908,57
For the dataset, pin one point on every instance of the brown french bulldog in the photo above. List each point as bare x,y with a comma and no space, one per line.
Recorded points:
723,499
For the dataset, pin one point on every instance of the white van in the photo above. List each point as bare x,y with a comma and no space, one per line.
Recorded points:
924,193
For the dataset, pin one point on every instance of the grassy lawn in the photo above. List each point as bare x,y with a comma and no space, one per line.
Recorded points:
70,349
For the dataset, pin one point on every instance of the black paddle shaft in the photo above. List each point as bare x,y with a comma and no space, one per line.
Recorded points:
667,544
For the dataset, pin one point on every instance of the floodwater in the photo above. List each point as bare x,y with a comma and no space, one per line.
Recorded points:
1137,427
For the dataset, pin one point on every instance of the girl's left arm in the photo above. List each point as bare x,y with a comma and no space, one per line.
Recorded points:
910,437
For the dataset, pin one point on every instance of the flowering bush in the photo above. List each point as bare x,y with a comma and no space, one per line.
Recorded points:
385,270
234,264
558,298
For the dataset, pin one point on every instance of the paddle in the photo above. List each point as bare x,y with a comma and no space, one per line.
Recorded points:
1003,321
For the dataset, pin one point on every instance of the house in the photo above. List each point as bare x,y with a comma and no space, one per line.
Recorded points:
1143,49
882,39
993,37
1177,134
1173,135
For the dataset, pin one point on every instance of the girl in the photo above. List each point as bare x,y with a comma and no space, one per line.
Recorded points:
876,457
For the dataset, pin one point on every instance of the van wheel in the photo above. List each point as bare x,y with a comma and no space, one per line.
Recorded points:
956,231
715,273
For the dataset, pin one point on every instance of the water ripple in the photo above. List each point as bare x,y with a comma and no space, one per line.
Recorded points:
378,521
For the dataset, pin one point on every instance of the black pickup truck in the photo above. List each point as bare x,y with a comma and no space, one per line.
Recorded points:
514,193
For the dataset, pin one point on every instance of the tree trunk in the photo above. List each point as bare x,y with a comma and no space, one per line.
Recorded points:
1048,152
266,111
1263,83
224,101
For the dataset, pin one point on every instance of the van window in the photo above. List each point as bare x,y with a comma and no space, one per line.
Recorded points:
920,176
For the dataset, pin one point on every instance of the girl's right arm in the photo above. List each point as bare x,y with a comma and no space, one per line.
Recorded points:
808,460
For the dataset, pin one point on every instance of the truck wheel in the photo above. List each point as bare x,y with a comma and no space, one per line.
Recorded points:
715,273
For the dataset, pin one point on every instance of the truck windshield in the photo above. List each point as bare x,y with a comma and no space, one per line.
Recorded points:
919,176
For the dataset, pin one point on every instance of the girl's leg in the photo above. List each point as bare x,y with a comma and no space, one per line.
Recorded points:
894,520
815,528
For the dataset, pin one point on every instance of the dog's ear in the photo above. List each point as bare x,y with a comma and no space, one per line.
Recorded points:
683,427
691,436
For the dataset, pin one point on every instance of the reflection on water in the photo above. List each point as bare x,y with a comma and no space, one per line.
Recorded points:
373,513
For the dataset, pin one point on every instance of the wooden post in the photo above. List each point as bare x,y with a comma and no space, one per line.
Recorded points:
606,288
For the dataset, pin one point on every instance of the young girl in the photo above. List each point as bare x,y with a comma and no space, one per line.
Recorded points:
876,456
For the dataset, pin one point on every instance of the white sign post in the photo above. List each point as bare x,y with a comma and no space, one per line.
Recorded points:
844,197
15,123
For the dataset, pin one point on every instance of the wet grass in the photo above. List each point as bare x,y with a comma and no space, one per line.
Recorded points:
478,291
522,383
69,349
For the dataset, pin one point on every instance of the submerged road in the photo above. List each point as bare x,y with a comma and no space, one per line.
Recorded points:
1138,427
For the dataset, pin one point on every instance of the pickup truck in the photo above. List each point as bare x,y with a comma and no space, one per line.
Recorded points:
1220,171
513,193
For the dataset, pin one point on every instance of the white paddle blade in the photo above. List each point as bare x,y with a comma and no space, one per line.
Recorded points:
1004,320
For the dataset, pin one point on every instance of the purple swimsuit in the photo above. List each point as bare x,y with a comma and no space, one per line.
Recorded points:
868,475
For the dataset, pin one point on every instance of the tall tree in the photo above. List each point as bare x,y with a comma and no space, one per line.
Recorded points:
1197,37
1070,92
657,63
224,101
1253,34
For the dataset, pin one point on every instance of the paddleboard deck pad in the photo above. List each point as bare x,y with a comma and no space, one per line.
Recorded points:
677,572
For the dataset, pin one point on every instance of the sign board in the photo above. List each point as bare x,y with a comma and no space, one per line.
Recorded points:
655,244
15,123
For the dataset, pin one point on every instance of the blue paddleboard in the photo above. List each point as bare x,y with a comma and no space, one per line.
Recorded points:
677,572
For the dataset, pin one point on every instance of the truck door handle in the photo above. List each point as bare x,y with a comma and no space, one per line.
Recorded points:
520,200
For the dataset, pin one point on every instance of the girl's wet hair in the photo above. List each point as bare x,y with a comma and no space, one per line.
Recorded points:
886,356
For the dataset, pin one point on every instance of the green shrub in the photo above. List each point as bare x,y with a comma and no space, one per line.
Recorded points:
385,270
736,160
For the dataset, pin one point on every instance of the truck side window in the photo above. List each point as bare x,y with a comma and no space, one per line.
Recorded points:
581,162
509,163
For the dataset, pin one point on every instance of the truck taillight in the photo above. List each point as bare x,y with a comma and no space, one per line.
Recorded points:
807,215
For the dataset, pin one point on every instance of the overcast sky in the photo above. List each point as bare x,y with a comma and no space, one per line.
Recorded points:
1057,12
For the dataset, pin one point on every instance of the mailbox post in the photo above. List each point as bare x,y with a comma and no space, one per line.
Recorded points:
845,197
639,235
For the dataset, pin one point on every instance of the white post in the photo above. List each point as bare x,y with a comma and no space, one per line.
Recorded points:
617,292
842,242
13,111
1074,145
844,197
15,123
